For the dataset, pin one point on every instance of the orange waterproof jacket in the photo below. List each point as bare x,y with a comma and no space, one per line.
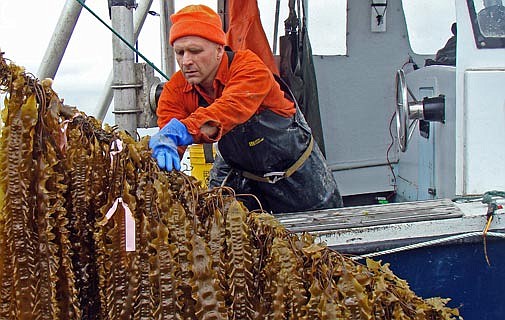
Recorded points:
246,32
244,89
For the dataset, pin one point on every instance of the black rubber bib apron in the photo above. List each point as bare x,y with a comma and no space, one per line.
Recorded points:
268,156
266,146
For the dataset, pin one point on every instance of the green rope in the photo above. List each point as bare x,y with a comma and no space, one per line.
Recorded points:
124,40
488,196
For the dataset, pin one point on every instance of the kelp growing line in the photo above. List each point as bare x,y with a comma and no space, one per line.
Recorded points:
90,228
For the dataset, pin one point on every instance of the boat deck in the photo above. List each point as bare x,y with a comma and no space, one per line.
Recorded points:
373,228
374,215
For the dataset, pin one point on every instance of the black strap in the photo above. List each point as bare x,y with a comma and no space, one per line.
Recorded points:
230,55
208,152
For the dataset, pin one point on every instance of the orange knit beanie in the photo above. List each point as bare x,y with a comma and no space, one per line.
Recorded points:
197,20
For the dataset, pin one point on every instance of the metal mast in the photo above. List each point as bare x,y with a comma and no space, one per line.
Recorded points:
124,82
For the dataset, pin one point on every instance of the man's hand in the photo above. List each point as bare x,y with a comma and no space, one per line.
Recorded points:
164,144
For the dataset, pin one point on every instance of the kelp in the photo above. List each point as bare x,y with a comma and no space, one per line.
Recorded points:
91,228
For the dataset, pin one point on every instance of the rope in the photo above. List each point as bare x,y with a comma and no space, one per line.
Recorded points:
124,40
485,198
427,243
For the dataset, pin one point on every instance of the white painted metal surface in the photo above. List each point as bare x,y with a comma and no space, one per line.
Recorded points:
484,130
470,85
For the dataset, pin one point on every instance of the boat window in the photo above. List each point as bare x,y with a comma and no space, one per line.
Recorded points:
327,24
428,24
488,23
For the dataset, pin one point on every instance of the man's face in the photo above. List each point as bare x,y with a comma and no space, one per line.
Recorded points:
198,59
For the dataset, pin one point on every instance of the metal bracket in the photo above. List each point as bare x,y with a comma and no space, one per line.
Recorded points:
378,16
144,75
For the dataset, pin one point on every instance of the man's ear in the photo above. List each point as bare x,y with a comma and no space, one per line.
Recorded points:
220,51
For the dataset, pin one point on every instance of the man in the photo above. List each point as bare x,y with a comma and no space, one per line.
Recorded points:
265,146
446,55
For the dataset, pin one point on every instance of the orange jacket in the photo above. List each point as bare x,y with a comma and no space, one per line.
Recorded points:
246,32
246,88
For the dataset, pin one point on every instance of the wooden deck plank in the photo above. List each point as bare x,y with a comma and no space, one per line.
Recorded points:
353,217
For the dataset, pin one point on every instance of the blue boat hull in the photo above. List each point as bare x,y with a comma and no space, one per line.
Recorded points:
457,271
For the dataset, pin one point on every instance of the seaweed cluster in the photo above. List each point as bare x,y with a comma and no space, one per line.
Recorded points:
91,228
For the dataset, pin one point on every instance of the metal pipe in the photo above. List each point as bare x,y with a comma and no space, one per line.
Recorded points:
124,69
106,97
222,10
167,54
60,39
276,26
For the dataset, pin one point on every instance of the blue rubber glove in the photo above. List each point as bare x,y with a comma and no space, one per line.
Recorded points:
165,142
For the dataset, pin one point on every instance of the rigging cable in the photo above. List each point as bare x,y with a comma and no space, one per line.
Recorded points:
123,39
